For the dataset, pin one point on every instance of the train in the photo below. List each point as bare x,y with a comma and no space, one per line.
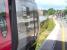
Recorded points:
19,24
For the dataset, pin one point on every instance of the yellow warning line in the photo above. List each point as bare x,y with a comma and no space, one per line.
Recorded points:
63,43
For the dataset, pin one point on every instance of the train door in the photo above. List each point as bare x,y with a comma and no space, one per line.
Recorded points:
8,29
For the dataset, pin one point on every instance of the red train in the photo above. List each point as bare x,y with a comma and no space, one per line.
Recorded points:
18,21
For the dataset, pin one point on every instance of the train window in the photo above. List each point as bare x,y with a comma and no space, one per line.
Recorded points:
2,19
25,19
26,22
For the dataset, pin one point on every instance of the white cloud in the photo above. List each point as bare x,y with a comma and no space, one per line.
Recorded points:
51,2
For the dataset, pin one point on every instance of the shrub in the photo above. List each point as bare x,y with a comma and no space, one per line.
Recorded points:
45,27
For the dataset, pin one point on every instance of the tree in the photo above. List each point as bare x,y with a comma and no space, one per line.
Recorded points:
51,11
65,11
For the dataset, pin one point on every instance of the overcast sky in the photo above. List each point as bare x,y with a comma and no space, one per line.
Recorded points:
56,4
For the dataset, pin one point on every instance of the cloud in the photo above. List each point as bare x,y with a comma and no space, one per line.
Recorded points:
51,3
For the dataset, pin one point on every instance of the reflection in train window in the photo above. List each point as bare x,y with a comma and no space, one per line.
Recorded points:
3,28
27,21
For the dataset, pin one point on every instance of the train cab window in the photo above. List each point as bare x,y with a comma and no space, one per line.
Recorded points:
26,22
2,19
25,19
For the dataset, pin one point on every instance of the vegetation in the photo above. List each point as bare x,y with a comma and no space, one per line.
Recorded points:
51,11
65,11
2,14
45,27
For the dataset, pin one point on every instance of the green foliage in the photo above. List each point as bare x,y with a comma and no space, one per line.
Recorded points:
51,11
50,25
2,14
45,27
65,11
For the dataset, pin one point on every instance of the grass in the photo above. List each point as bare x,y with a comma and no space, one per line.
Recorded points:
45,27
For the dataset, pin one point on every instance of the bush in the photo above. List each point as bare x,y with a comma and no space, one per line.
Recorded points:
45,27
51,25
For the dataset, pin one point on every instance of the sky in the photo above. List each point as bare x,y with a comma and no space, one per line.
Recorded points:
56,4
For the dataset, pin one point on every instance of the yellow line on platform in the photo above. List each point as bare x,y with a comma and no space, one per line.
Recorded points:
63,43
